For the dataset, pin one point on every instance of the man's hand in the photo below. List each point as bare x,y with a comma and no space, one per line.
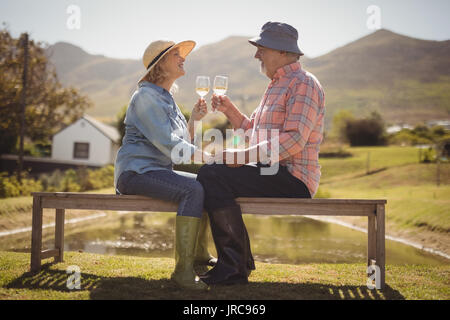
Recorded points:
229,109
221,103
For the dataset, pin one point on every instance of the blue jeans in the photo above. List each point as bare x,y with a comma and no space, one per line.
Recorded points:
176,186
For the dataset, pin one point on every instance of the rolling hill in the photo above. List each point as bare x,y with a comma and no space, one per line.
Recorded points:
405,79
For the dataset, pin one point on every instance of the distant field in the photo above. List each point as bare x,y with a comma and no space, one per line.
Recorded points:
422,205
379,157
415,201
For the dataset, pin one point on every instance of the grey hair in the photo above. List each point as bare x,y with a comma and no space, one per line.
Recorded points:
293,55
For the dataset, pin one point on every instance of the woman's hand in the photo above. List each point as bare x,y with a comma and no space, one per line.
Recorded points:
200,110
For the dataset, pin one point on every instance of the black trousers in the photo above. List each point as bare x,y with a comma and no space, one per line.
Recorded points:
223,184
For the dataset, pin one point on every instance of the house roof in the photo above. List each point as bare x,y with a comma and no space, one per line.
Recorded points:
109,131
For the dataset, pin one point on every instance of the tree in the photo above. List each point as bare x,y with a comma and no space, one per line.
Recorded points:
49,106
340,120
366,132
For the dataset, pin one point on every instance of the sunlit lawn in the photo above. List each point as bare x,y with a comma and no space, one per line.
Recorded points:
123,277
379,157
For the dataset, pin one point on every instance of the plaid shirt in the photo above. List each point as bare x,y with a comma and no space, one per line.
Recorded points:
294,104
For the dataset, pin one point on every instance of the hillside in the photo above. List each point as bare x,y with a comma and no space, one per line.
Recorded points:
108,82
403,78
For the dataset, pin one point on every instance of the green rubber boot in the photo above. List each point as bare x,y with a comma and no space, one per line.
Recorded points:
202,256
186,230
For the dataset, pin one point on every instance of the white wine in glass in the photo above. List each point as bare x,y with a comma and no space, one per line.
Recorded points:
220,86
202,86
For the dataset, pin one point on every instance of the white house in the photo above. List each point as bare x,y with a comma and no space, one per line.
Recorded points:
86,141
442,123
398,127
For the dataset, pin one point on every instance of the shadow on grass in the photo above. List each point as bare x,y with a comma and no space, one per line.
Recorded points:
135,288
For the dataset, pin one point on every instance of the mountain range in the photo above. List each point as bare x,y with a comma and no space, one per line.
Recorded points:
406,80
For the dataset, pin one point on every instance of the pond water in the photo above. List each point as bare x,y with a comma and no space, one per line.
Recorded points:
274,239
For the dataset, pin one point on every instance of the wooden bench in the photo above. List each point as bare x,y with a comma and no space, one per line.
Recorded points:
373,209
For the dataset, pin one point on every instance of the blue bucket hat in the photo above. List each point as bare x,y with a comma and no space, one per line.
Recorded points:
278,36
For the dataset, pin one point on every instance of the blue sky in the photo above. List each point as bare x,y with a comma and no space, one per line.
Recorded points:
122,29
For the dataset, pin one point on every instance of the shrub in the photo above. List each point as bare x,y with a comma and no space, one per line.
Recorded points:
407,137
365,132
419,135
69,182
11,187
51,182
340,120
79,180
100,178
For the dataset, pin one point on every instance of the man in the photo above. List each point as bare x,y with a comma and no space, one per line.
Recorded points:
294,105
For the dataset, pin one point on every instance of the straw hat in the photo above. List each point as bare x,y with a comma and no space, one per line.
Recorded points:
158,49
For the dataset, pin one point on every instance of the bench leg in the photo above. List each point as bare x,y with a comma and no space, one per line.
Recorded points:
59,234
36,235
380,254
372,240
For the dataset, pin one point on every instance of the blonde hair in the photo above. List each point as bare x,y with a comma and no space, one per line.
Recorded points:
158,75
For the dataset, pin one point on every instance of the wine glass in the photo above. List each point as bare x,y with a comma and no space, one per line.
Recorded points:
220,86
202,86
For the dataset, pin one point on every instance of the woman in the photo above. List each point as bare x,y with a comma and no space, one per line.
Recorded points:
154,125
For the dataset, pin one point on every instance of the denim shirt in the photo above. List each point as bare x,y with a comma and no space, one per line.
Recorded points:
154,125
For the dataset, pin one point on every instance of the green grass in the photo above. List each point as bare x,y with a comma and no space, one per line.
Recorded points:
123,277
379,157
15,205
413,198
414,201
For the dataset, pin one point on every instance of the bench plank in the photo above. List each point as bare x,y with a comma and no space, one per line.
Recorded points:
114,197
307,208
49,253
282,206
118,203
